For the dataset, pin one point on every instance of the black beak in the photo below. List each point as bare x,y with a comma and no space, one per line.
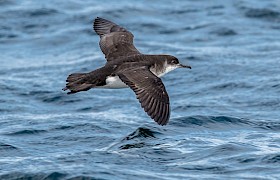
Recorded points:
184,66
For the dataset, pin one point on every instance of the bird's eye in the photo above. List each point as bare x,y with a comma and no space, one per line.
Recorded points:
174,61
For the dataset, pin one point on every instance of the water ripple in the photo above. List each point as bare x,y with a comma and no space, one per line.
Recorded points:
224,121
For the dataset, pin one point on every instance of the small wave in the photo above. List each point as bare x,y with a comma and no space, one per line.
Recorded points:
187,28
55,175
64,127
28,176
216,7
76,127
267,159
138,138
44,176
84,178
185,11
224,122
6,2
224,32
150,25
54,98
262,14
259,12
212,169
34,93
206,120
246,160
57,98
277,27
42,12
227,148
6,86
7,36
87,109
4,146
169,31
142,132
197,26
275,126
26,132
274,159
134,145
232,85
33,26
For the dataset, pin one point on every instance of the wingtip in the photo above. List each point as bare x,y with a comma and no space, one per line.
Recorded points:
161,120
97,18
164,123
96,21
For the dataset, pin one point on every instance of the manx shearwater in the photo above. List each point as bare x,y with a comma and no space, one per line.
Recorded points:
127,67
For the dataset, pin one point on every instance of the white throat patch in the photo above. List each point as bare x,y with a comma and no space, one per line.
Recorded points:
167,69
170,68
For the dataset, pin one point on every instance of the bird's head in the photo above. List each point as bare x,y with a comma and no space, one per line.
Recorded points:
174,62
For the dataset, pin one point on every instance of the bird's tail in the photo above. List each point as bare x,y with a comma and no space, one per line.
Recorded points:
76,82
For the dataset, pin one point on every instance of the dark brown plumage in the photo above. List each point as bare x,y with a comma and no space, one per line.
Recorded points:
126,66
150,91
115,41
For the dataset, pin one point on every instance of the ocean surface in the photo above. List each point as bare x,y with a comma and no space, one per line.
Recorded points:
225,119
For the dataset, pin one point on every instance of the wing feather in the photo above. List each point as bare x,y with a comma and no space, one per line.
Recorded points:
115,41
150,91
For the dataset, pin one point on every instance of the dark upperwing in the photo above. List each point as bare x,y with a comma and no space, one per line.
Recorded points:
115,41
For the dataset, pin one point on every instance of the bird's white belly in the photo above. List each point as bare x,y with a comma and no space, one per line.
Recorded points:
114,82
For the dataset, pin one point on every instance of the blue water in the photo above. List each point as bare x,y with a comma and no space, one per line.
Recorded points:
225,119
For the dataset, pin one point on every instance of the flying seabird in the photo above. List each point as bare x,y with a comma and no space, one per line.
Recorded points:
127,67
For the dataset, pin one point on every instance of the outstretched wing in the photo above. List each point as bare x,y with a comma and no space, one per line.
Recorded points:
115,41
150,91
